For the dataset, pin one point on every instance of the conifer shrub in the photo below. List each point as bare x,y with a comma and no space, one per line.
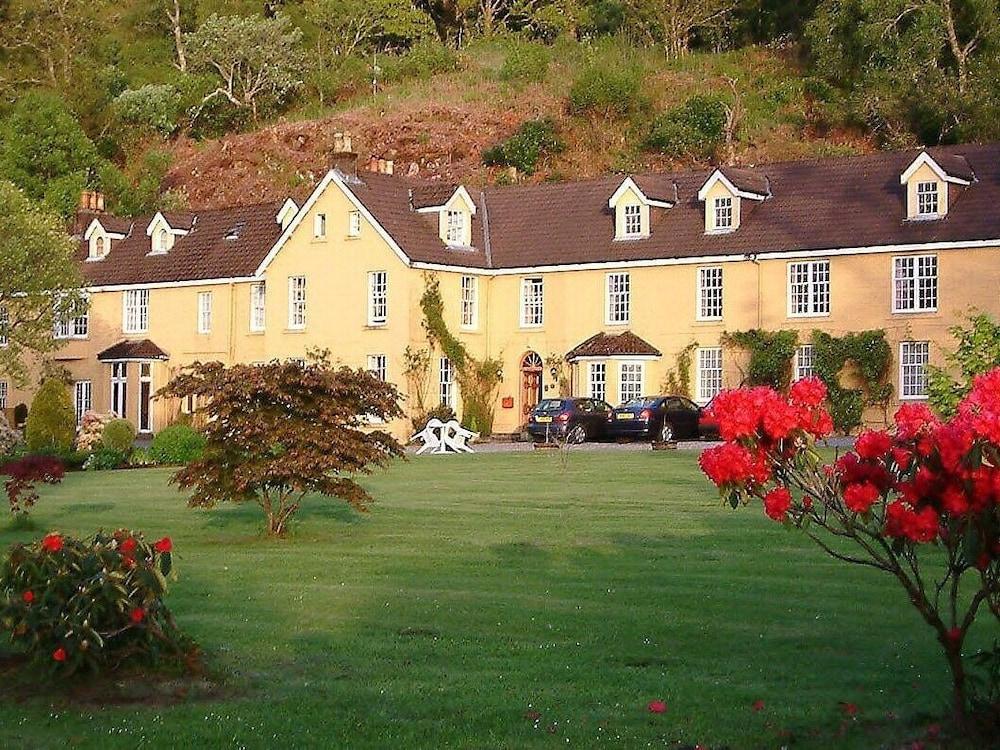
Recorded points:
51,424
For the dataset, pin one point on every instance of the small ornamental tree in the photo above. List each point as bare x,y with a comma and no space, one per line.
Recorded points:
276,432
922,505
23,474
90,604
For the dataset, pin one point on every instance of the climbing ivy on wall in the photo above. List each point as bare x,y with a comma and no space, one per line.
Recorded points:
771,355
677,381
477,379
869,356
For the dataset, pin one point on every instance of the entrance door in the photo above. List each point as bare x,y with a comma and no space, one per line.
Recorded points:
531,382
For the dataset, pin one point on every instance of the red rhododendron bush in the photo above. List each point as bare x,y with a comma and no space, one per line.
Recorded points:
920,503
90,604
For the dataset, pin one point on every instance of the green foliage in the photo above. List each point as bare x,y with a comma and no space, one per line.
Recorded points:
478,380
118,435
771,354
977,352
677,381
525,62
89,605
611,90
534,140
346,27
869,356
107,459
51,419
177,445
696,128
422,417
153,108
425,59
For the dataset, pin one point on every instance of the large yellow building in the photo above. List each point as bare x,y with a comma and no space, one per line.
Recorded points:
601,282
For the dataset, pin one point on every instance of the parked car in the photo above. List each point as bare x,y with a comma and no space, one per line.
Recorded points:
660,418
708,425
574,419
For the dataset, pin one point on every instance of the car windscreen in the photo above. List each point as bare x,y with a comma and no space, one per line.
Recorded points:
640,403
550,404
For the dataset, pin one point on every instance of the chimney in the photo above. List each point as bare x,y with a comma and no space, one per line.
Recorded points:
380,165
343,158
91,205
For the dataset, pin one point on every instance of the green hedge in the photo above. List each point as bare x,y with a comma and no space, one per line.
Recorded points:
176,445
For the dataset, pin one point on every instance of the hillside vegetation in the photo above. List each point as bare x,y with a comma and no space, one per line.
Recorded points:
205,102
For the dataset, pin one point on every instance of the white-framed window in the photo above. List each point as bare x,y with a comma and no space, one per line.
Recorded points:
161,243
97,246
913,358
119,388
915,283
82,399
470,302
446,383
455,227
73,323
927,199
145,420
3,394
723,213
710,293
532,302
630,381
709,373
258,307
135,310
633,220
618,298
808,288
378,298
4,326
204,312
319,226
803,362
354,224
378,366
598,381
296,303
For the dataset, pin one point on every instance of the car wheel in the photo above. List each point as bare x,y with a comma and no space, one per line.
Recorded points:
666,432
576,435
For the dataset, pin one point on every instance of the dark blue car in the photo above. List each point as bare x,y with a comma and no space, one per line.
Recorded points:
574,420
657,418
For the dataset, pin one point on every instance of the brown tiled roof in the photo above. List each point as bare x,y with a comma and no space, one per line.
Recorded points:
955,165
114,224
203,253
747,180
144,349
613,345
436,194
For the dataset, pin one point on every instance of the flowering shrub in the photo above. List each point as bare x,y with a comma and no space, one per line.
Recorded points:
76,604
9,437
92,430
23,474
931,483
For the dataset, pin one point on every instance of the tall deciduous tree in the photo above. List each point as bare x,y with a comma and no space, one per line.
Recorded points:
674,23
256,61
280,431
349,26
39,280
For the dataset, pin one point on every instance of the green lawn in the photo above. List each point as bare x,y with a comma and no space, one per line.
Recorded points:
483,588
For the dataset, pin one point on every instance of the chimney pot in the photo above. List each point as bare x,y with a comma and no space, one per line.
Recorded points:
347,143
388,166
373,164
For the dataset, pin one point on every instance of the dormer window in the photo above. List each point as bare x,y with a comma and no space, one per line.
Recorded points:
927,199
456,227
724,214
98,246
161,242
633,220
99,240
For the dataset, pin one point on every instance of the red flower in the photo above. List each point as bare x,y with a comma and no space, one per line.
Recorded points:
861,497
955,635
914,419
777,502
137,615
902,457
982,406
873,444
657,707
128,546
163,545
849,709
731,463
52,543
28,597
809,391
758,705
781,419
902,521
59,654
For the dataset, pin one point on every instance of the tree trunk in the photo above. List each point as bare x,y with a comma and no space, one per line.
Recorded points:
953,652
175,22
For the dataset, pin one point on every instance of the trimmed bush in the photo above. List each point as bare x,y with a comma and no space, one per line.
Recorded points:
51,423
534,140
90,604
118,436
607,90
177,445
696,128
106,459
527,63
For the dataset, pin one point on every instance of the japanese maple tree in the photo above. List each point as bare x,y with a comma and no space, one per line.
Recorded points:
279,431
921,504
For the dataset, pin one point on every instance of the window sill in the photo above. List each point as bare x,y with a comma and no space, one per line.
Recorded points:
928,311
376,325
617,323
914,398
352,237
295,330
800,316
255,333
532,327
709,320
